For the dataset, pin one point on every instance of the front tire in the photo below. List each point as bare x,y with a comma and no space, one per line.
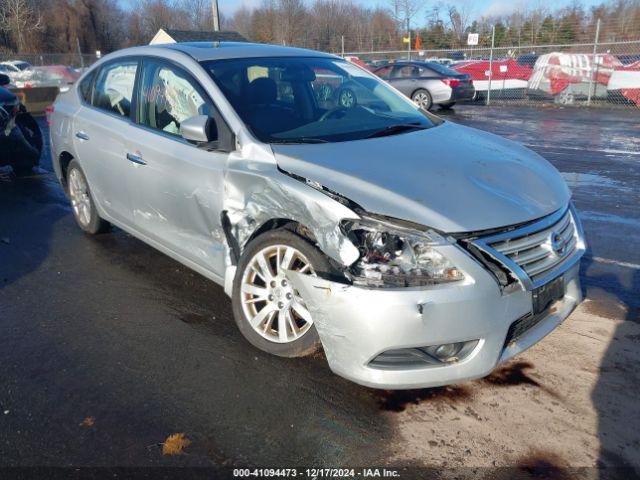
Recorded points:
82,203
269,312
423,99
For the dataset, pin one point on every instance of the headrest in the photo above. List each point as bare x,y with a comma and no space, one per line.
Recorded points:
263,90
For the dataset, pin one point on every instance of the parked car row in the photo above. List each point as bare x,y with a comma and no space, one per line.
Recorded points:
24,75
428,83
560,77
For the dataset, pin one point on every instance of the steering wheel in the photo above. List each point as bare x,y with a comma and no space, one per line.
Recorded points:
331,113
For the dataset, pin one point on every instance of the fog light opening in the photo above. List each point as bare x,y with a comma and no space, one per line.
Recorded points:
451,352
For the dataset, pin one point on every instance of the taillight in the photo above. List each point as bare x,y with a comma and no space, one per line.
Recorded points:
48,112
452,82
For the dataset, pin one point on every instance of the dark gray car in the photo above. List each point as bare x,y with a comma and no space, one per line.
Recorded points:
428,83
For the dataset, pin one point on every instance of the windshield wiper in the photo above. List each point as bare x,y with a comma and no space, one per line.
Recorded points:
293,141
398,128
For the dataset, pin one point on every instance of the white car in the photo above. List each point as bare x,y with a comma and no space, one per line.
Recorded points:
14,66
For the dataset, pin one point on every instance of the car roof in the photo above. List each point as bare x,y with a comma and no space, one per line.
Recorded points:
202,51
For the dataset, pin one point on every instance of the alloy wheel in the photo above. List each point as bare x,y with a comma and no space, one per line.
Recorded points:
271,305
80,199
423,100
347,98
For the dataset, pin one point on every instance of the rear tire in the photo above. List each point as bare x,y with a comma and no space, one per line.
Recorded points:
423,99
252,294
82,203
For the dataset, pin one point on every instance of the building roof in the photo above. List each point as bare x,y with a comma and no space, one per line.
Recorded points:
195,36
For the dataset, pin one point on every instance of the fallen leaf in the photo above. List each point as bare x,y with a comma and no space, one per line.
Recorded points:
88,422
174,444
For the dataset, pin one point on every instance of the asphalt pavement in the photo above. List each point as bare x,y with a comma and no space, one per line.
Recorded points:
109,347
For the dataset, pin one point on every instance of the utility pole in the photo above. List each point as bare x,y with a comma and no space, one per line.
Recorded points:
216,16
79,53
342,39
594,64
493,42
409,37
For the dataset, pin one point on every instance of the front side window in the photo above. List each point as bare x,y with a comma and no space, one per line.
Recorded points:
384,72
168,97
114,87
296,99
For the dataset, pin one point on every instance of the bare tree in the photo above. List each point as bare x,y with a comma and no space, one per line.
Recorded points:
18,18
291,18
459,18
405,10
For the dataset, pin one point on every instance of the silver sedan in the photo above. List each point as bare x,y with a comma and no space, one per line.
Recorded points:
336,214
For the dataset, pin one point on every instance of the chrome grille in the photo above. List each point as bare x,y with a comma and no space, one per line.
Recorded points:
538,251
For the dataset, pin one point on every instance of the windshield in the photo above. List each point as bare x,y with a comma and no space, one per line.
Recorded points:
313,100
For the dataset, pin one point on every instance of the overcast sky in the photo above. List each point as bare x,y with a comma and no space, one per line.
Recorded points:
479,7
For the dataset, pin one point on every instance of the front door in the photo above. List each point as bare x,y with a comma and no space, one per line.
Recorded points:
177,187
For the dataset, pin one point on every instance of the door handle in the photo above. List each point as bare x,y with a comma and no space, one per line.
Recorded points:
82,136
135,159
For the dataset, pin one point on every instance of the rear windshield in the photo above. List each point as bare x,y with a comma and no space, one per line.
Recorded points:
442,70
312,100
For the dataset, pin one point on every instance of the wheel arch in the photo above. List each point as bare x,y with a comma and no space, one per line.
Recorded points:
64,159
286,223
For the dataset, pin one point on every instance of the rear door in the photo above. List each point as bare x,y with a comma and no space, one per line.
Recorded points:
101,129
405,78
177,187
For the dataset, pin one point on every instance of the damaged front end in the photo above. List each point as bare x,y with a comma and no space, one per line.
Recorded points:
396,254
258,198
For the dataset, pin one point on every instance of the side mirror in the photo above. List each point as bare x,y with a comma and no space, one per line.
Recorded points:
199,129
4,80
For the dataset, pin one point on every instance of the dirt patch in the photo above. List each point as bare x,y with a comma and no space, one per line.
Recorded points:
515,374
607,308
399,400
543,465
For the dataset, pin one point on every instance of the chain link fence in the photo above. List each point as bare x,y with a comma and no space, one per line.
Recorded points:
584,74
594,74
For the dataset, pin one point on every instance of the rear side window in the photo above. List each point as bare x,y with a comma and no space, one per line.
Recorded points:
408,71
86,86
425,72
113,89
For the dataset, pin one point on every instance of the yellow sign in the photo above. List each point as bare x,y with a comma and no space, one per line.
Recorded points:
406,40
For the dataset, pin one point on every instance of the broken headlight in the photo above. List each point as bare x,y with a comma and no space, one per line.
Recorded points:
397,255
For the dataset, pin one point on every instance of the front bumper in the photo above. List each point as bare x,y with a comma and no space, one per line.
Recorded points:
357,324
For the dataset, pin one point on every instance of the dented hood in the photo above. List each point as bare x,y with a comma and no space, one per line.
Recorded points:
450,177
